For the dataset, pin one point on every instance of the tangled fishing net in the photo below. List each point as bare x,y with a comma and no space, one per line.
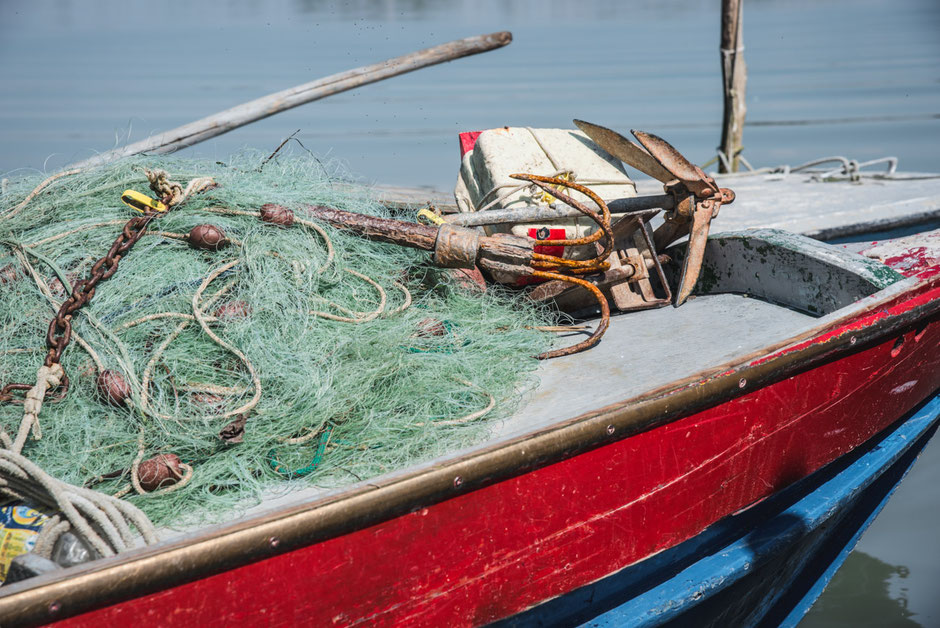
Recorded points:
295,355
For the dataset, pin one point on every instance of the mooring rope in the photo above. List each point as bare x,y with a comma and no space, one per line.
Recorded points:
851,169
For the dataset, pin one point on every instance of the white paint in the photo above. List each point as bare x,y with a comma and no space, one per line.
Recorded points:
897,390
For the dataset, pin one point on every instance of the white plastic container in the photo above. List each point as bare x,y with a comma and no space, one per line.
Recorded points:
484,182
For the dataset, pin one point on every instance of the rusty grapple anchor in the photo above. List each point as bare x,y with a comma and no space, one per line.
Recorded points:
459,247
691,201
695,195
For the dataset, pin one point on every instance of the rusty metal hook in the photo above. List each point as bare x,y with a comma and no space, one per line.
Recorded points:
601,326
604,231
556,267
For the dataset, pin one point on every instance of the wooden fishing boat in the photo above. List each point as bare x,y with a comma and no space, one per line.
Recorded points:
691,467
705,465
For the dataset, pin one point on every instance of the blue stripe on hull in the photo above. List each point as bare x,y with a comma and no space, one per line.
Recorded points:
764,566
808,585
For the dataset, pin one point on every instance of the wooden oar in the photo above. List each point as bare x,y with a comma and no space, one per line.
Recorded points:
243,114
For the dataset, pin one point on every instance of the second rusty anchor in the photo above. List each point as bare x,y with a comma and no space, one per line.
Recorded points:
696,198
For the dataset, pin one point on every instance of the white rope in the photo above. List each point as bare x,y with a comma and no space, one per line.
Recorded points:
46,377
102,521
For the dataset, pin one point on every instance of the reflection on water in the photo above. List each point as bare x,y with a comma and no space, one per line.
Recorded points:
864,592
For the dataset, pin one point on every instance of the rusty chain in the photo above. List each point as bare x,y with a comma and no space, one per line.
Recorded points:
6,393
60,329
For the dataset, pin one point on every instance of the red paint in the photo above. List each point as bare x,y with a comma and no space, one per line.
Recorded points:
553,234
467,141
911,255
558,251
495,551
929,273
912,261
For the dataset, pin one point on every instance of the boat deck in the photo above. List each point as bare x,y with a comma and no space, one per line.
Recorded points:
645,350
640,352
694,347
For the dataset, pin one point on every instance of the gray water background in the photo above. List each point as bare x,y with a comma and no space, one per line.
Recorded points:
857,78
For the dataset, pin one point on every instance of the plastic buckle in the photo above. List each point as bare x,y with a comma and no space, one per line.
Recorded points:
142,202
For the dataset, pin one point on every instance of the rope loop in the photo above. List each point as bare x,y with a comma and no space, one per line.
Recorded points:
172,192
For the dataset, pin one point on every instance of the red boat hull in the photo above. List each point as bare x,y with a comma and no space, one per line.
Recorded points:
496,550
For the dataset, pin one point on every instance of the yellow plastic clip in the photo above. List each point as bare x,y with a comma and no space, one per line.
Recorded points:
426,216
547,198
141,202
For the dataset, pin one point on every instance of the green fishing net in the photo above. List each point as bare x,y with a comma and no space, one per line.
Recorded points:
345,393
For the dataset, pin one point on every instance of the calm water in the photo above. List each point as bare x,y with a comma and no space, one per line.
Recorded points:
856,78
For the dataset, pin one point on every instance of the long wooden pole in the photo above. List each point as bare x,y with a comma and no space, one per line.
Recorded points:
734,76
243,114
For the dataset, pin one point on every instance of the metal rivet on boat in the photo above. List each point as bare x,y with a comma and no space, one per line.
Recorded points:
208,237
54,607
458,481
610,429
274,541
742,382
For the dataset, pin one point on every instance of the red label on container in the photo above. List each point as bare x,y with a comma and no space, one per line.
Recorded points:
468,140
557,251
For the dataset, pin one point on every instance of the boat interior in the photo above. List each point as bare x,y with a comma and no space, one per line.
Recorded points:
757,289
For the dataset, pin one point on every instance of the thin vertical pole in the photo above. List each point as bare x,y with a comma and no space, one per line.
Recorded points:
734,77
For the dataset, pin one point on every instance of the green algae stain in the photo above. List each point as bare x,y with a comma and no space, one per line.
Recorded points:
708,280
